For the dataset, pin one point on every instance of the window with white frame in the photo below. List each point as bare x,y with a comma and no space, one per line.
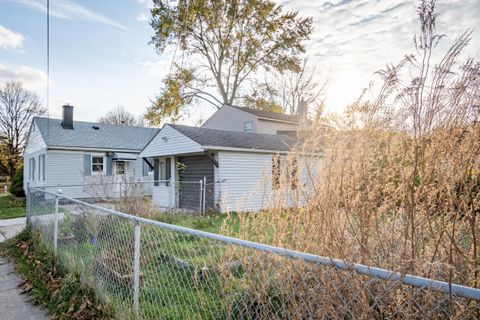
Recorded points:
98,164
248,126
31,169
120,167
41,167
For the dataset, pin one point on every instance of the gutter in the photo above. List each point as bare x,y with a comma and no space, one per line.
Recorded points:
94,149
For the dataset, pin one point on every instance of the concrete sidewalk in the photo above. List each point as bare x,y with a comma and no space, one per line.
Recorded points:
13,304
9,228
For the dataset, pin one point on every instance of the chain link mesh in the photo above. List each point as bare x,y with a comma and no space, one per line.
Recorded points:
158,271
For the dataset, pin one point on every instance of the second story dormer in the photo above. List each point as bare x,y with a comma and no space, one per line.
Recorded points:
241,119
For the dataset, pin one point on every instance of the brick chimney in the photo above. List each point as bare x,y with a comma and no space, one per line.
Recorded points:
67,117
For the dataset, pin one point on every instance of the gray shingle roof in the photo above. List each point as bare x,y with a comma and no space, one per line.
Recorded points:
232,139
269,114
84,135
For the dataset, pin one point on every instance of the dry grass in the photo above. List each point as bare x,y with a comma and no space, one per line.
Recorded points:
398,188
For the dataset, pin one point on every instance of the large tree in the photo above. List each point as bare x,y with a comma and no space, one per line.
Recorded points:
285,91
120,116
17,108
225,43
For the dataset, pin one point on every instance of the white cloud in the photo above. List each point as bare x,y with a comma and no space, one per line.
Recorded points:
353,39
30,78
70,10
10,39
142,17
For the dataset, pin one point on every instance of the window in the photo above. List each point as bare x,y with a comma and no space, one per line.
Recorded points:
120,167
161,170
248,126
97,164
41,167
31,169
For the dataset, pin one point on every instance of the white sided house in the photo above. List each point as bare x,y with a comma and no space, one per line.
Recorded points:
64,152
241,170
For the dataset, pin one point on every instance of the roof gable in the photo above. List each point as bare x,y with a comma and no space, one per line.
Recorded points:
169,141
85,136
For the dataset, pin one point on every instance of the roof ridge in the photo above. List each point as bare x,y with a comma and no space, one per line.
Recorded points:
274,115
99,123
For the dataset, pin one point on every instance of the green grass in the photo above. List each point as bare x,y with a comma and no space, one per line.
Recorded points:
210,223
11,207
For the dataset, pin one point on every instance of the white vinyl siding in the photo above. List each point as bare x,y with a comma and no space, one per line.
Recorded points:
170,142
246,181
35,141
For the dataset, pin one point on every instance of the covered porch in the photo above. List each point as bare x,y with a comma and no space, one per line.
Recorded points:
185,181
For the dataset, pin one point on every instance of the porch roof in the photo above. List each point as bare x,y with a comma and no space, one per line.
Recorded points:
238,140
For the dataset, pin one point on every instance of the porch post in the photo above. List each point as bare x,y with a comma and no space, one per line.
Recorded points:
173,182
204,192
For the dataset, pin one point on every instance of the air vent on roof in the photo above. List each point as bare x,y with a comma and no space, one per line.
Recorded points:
95,128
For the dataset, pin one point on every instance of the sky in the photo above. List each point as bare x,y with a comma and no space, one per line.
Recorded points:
100,55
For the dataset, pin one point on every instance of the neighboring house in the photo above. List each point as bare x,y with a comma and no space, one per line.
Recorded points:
68,152
241,119
241,169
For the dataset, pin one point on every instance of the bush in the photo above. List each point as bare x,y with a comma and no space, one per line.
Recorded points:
16,188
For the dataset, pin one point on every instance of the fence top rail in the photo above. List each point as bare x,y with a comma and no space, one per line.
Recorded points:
384,274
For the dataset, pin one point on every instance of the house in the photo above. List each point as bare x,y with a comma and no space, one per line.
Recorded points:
67,152
242,119
241,169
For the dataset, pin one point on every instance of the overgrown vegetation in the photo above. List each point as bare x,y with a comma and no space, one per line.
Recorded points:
60,292
398,188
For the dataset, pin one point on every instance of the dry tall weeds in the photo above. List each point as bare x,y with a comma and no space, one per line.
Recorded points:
398,188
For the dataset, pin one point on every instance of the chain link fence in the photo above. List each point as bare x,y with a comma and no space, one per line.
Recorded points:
152,270
190,196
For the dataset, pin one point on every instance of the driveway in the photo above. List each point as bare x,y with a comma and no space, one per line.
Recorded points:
13,304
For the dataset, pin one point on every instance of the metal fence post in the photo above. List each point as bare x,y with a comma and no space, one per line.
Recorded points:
136,267
204,192
200,196
29,203
55,226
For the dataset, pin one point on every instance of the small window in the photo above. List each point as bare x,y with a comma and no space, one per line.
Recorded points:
31,169
97,164
41,167
120,168
162,170
248,126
